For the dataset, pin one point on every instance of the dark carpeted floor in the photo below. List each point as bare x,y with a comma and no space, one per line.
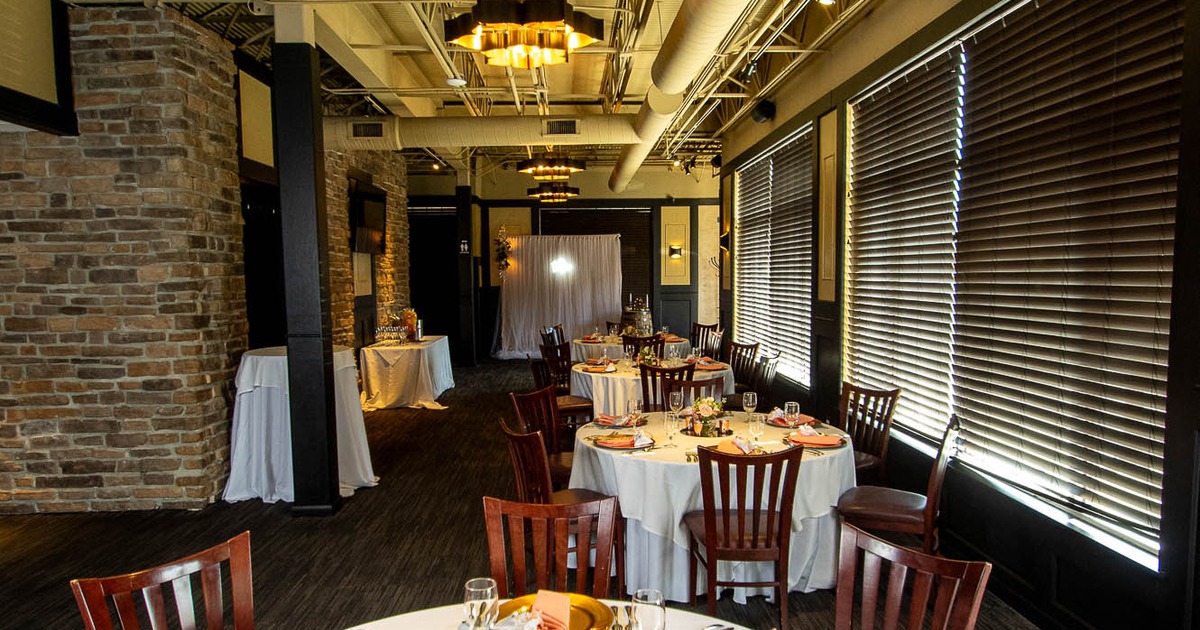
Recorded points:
407,544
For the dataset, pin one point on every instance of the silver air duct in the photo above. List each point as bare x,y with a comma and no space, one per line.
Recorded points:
391,133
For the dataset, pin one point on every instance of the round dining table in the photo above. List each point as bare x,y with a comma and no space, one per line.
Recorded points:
614,348
449,617
611,391
656,487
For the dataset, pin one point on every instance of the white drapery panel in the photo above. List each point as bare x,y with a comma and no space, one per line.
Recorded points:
584,293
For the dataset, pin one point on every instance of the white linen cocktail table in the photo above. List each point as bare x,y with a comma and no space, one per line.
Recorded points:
260,450
406,375
611,391
657,488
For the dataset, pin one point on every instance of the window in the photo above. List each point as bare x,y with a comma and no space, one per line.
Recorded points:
773,253
1052,250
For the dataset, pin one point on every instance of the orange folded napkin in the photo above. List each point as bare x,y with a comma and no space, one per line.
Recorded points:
597,368
818,440
674,339
594,361
782,420
624,441
617,421
554,608
736,445
710,366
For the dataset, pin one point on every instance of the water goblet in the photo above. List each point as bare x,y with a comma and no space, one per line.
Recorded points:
675,401
649,610
635,408
672,426
791,411
749,402
481,603
758,424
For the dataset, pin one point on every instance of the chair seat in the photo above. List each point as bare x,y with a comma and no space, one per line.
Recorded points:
576,495
867,468
885,505
694,522
571,405
560,467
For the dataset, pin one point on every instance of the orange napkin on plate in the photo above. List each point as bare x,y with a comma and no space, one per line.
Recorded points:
818,440
673,338
709,366
594,361
554,608
624,441
782,420
737,445
617,421
595,368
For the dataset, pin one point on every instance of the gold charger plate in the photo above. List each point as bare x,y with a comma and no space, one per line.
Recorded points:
587,613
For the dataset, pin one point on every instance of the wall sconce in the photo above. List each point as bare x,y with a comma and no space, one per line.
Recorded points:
675,251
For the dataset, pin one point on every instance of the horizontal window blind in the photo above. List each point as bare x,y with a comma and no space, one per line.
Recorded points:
902,195
1064,252
773,252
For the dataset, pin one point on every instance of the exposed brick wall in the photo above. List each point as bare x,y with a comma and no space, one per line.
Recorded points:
122,306
388,172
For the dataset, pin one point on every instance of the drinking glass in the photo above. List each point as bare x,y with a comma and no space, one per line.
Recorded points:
672,425
481,603
675,400
749,402
605,354
634,407
758,424
791,410
649,610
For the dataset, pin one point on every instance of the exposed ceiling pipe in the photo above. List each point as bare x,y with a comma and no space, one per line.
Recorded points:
391,133
694,37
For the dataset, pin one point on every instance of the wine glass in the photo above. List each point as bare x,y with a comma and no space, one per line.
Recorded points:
758,424
635,409
791,411
672,426
481,603
749,402
675,401
649,610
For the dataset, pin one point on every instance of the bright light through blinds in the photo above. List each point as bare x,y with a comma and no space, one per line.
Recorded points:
773,254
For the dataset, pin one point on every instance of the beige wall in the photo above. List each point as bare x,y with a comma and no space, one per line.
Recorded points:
708,228
676,229
27,49
254,103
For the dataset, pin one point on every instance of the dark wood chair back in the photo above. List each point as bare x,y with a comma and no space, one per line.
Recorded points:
654,397
937,478
531,468
866,414
558,360
656,343
553,335
748,503
709,343
764,377
546,528
741,360
540,371
537,412
948,592
92,593
708,388
698,332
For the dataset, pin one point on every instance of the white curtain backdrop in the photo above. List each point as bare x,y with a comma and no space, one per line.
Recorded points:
533,296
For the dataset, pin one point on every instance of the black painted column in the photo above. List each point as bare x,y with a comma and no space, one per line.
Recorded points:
464,346
300,160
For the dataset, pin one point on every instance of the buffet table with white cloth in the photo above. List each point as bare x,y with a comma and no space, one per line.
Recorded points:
656,488
611,391
410,374
260,451
614,348
449,617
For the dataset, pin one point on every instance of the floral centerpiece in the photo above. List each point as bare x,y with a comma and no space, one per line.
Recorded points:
706,417
646,356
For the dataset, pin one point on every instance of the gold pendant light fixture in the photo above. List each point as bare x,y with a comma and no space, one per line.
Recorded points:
553,192
524,34
550,167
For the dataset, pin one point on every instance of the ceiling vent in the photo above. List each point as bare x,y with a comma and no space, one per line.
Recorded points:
562,127
367,130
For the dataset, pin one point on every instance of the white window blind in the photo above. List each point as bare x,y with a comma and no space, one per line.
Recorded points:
773,253
1065,247
902,196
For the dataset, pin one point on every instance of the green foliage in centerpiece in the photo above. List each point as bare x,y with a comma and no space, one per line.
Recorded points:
706,414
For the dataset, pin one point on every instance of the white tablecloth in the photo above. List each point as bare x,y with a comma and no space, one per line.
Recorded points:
448,618
260,450
657,488
582,351
611,391
406,375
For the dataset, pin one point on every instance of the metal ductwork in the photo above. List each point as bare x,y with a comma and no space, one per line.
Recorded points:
695,35
391,133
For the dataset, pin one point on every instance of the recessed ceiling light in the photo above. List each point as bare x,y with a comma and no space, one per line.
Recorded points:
456,82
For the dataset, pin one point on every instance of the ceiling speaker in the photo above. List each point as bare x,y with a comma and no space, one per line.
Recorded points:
764,111
716,161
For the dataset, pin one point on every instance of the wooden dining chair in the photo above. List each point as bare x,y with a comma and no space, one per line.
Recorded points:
547,529
747,517
531,469
537,412
764,378
573,411
952,590
92,594
709,344
740,357
656,343
708,388
866,414
698,332
654,397
893,510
